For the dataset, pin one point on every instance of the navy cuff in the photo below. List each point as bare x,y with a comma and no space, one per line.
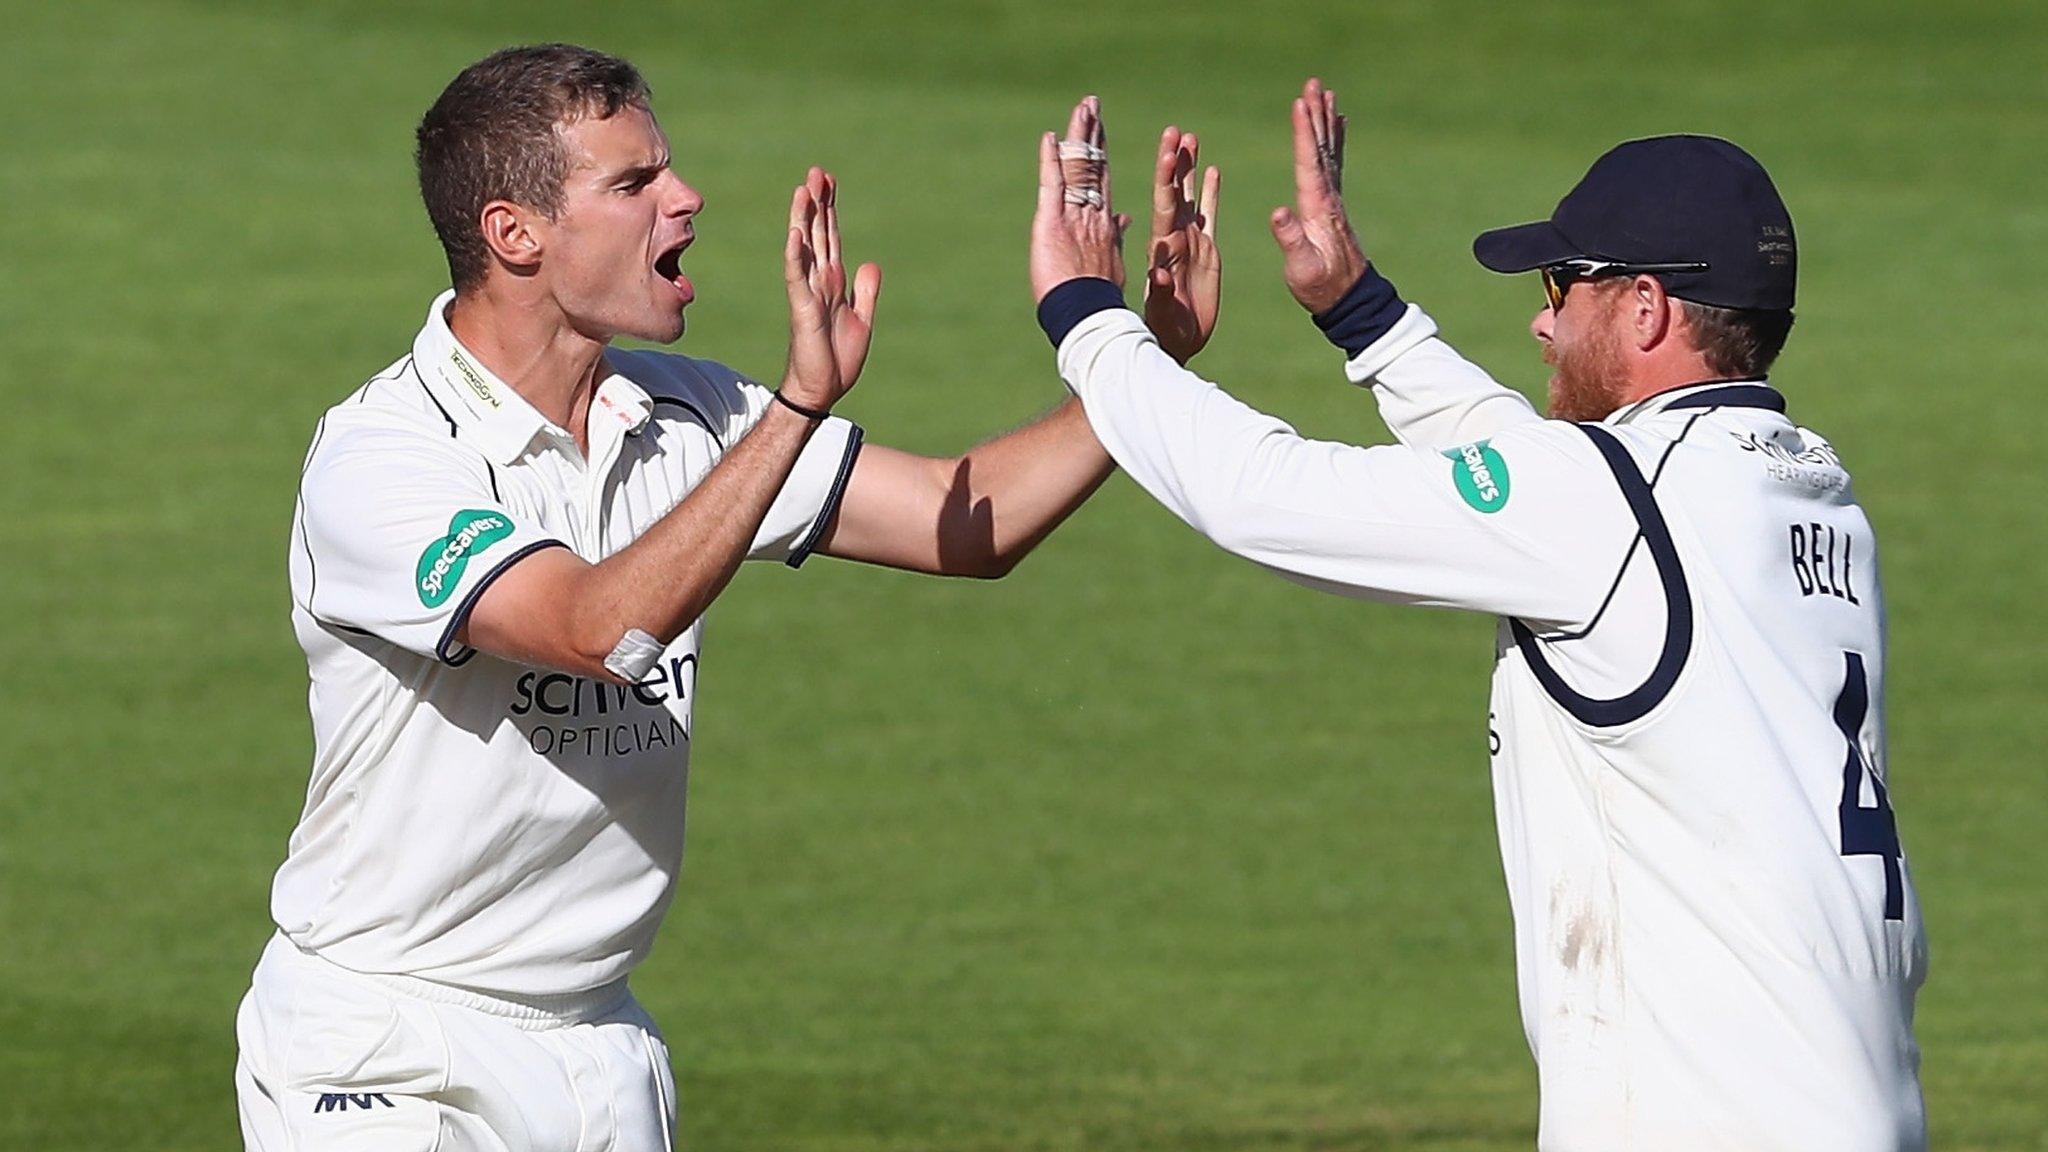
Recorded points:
1074,301
1367,312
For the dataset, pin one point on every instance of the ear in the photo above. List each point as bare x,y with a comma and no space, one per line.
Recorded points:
1650,312
509,233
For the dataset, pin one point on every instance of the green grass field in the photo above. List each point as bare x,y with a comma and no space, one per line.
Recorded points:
1139,849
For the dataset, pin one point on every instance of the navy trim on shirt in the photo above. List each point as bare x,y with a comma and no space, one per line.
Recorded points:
1677,606
693,410
1732,396
1622,572
437,403
830,508
1073,301
1368,311
445,648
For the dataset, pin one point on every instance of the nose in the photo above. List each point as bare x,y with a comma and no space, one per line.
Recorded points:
678,198
1542,324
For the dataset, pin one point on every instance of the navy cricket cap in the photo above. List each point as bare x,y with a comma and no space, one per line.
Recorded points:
1668,199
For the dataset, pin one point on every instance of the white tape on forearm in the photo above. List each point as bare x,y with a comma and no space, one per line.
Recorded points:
634,657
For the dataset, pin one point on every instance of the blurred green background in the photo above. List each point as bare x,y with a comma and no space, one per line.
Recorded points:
1138,849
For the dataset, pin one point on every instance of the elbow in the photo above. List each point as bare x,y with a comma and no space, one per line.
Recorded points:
1233,500
979,560
603,643
997,564
1225,521
969,543
588,653
589,635
1225,534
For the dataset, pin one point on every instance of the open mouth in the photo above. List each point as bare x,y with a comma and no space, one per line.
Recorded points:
669,266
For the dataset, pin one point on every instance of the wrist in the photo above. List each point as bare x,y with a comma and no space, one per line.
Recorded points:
809,412
1074,300
1366,312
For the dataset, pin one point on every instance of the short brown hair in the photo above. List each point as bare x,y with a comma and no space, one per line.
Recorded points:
1737,343
493,135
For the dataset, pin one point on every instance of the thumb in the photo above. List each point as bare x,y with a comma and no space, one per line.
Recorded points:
1288,231
1158,285
867,288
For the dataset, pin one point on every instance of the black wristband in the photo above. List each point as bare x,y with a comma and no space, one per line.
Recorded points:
1367,312
793,406
1074,301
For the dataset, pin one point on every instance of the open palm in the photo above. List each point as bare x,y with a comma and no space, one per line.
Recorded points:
1184,278
1323,257
830,329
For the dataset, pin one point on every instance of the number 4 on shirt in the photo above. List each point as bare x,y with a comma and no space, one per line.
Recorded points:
1872,831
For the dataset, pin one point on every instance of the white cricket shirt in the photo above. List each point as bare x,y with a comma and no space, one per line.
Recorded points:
1717,940
472,821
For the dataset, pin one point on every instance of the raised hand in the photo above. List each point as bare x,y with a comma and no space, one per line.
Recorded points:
829,330
1323,256
1075,232
1184,276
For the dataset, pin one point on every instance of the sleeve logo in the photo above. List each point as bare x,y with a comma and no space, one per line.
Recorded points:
1481,476
469,533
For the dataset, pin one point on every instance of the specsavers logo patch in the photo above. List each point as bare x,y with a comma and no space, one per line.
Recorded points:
1481,476
441,565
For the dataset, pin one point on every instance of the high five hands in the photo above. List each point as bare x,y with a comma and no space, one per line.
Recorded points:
1184,279
1322,253
829,329
1076,232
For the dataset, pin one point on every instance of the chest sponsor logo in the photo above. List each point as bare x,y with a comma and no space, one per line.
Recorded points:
1481,476
470,533
565,715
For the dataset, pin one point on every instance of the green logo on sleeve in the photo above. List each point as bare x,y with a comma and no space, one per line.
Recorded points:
441,565
1481,476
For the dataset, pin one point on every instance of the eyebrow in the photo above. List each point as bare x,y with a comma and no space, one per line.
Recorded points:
640,172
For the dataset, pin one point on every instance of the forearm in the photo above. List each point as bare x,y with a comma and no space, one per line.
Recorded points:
556,610
1028,482
663,581
1194,448
1428,395
976,514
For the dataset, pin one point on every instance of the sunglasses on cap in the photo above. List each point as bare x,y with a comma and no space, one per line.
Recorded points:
1559,277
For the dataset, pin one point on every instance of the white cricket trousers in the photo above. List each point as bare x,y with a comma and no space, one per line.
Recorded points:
338,1061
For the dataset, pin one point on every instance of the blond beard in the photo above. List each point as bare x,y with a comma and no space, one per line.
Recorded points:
1590,380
